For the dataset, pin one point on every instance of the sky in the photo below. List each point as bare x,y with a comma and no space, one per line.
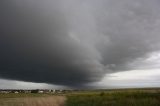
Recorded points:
79,44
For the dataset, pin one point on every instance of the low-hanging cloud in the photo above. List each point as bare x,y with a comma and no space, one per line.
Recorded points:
75,42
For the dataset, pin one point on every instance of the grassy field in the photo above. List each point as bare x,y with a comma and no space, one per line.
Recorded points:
126,97
122,97
31,100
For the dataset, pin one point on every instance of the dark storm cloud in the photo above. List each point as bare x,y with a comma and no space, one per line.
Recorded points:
74,42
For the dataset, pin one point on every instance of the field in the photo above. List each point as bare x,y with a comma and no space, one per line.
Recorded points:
122,97
31,100
115,98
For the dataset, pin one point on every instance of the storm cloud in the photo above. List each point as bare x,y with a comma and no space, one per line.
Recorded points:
75,42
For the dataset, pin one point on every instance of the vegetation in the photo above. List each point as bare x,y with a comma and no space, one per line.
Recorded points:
115,98
21,95
123,97
30,99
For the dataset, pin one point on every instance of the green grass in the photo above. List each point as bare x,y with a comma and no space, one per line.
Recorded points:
114,98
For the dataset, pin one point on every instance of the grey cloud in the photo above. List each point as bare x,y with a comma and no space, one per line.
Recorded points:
74,42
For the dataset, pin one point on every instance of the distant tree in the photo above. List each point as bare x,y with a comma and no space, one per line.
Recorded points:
34,91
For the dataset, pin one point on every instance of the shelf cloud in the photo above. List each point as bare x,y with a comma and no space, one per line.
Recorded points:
75,42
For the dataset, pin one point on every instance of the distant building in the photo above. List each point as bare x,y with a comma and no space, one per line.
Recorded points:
40,91
16,92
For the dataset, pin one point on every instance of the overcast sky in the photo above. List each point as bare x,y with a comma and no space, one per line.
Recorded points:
79,43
